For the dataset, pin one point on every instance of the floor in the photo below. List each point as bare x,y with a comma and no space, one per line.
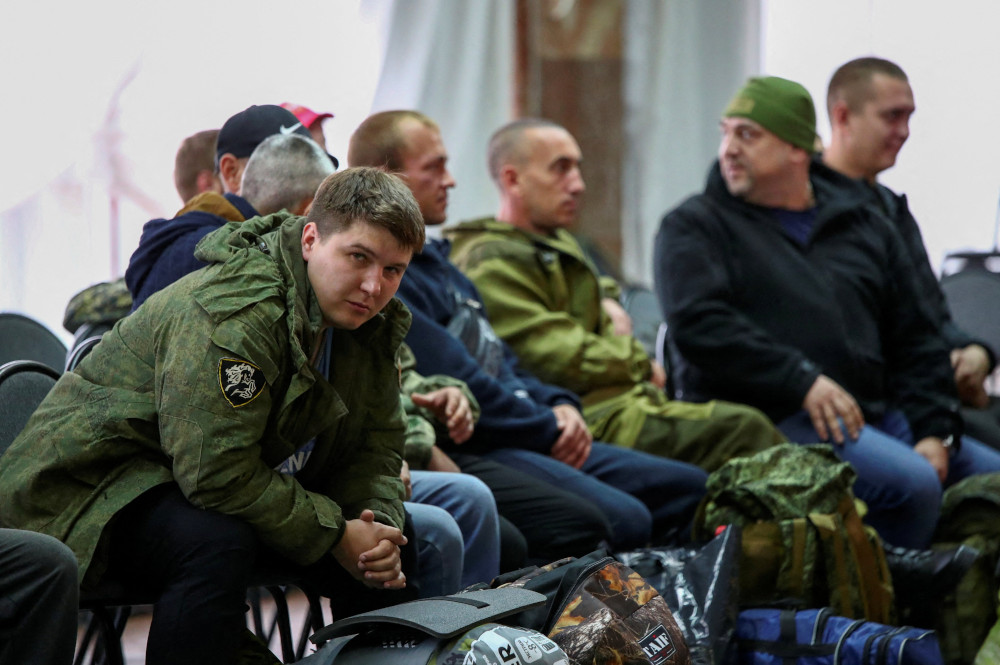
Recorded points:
137,628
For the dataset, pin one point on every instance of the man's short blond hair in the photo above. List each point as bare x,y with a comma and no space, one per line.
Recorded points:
379,142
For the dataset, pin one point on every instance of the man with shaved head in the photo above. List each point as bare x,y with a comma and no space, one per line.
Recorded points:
547,301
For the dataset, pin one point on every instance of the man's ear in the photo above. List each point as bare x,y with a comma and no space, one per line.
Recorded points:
310,240
839,114
799,156
508,177
207,181
231,172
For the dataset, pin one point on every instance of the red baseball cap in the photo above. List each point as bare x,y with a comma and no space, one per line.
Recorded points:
306,116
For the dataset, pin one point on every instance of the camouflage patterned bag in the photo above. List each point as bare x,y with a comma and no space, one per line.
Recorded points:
804,544
970,515
600,611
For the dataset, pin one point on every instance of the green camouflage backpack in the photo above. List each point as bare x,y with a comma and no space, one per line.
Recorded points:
804,544
970,515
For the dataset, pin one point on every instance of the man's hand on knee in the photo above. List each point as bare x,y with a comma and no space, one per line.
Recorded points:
932,449
574,442
828,405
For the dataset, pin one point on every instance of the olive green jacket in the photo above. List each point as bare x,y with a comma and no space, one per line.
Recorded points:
209,385
543,296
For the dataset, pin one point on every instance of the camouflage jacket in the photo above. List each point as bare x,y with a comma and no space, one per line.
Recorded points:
544,299
423,429
209,385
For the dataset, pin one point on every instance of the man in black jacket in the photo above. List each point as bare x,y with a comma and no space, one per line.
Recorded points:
784,289
870,103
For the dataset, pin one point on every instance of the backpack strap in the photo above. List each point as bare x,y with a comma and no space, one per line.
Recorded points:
441,617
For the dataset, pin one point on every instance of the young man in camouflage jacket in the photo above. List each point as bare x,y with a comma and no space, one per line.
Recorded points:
162,461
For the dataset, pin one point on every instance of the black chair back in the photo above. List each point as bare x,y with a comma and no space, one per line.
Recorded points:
974,300
23,386
24,338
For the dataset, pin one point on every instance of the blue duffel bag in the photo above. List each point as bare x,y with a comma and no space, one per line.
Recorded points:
819,637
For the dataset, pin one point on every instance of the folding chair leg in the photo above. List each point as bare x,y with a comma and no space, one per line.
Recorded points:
108,644
314,621
284,623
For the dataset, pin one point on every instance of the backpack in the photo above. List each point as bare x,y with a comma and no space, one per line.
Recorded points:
819,637
804,544
970,515
599,612
446,630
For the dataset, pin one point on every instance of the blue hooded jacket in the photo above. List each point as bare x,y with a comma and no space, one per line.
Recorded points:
166,247
516,406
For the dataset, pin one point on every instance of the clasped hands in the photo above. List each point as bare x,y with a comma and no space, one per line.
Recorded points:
369,551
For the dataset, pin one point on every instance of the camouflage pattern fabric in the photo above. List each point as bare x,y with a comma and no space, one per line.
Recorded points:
209,385
610,615
101,303
803,538
423,430
616,616
989,653
543,296
965,620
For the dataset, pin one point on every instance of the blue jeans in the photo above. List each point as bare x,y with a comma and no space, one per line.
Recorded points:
645,497
443,569
900,487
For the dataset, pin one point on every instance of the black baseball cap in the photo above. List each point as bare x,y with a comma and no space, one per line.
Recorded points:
243,132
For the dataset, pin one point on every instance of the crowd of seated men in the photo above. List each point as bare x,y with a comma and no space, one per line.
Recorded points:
300,380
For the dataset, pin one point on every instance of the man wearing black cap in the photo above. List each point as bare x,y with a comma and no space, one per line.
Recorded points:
166,248
783,289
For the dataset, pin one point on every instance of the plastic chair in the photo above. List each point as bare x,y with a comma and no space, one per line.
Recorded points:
85,340
24,338
641,304
23,385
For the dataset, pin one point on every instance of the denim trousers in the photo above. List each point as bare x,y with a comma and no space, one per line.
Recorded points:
646,498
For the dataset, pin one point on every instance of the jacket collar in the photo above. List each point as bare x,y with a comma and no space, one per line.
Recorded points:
835,193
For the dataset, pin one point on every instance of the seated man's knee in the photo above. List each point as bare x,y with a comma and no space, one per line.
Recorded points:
55,559
631,527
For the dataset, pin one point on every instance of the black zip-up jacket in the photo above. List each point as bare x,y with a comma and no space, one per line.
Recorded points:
758,317
897,209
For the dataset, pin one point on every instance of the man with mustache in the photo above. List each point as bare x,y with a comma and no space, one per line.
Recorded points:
784,288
